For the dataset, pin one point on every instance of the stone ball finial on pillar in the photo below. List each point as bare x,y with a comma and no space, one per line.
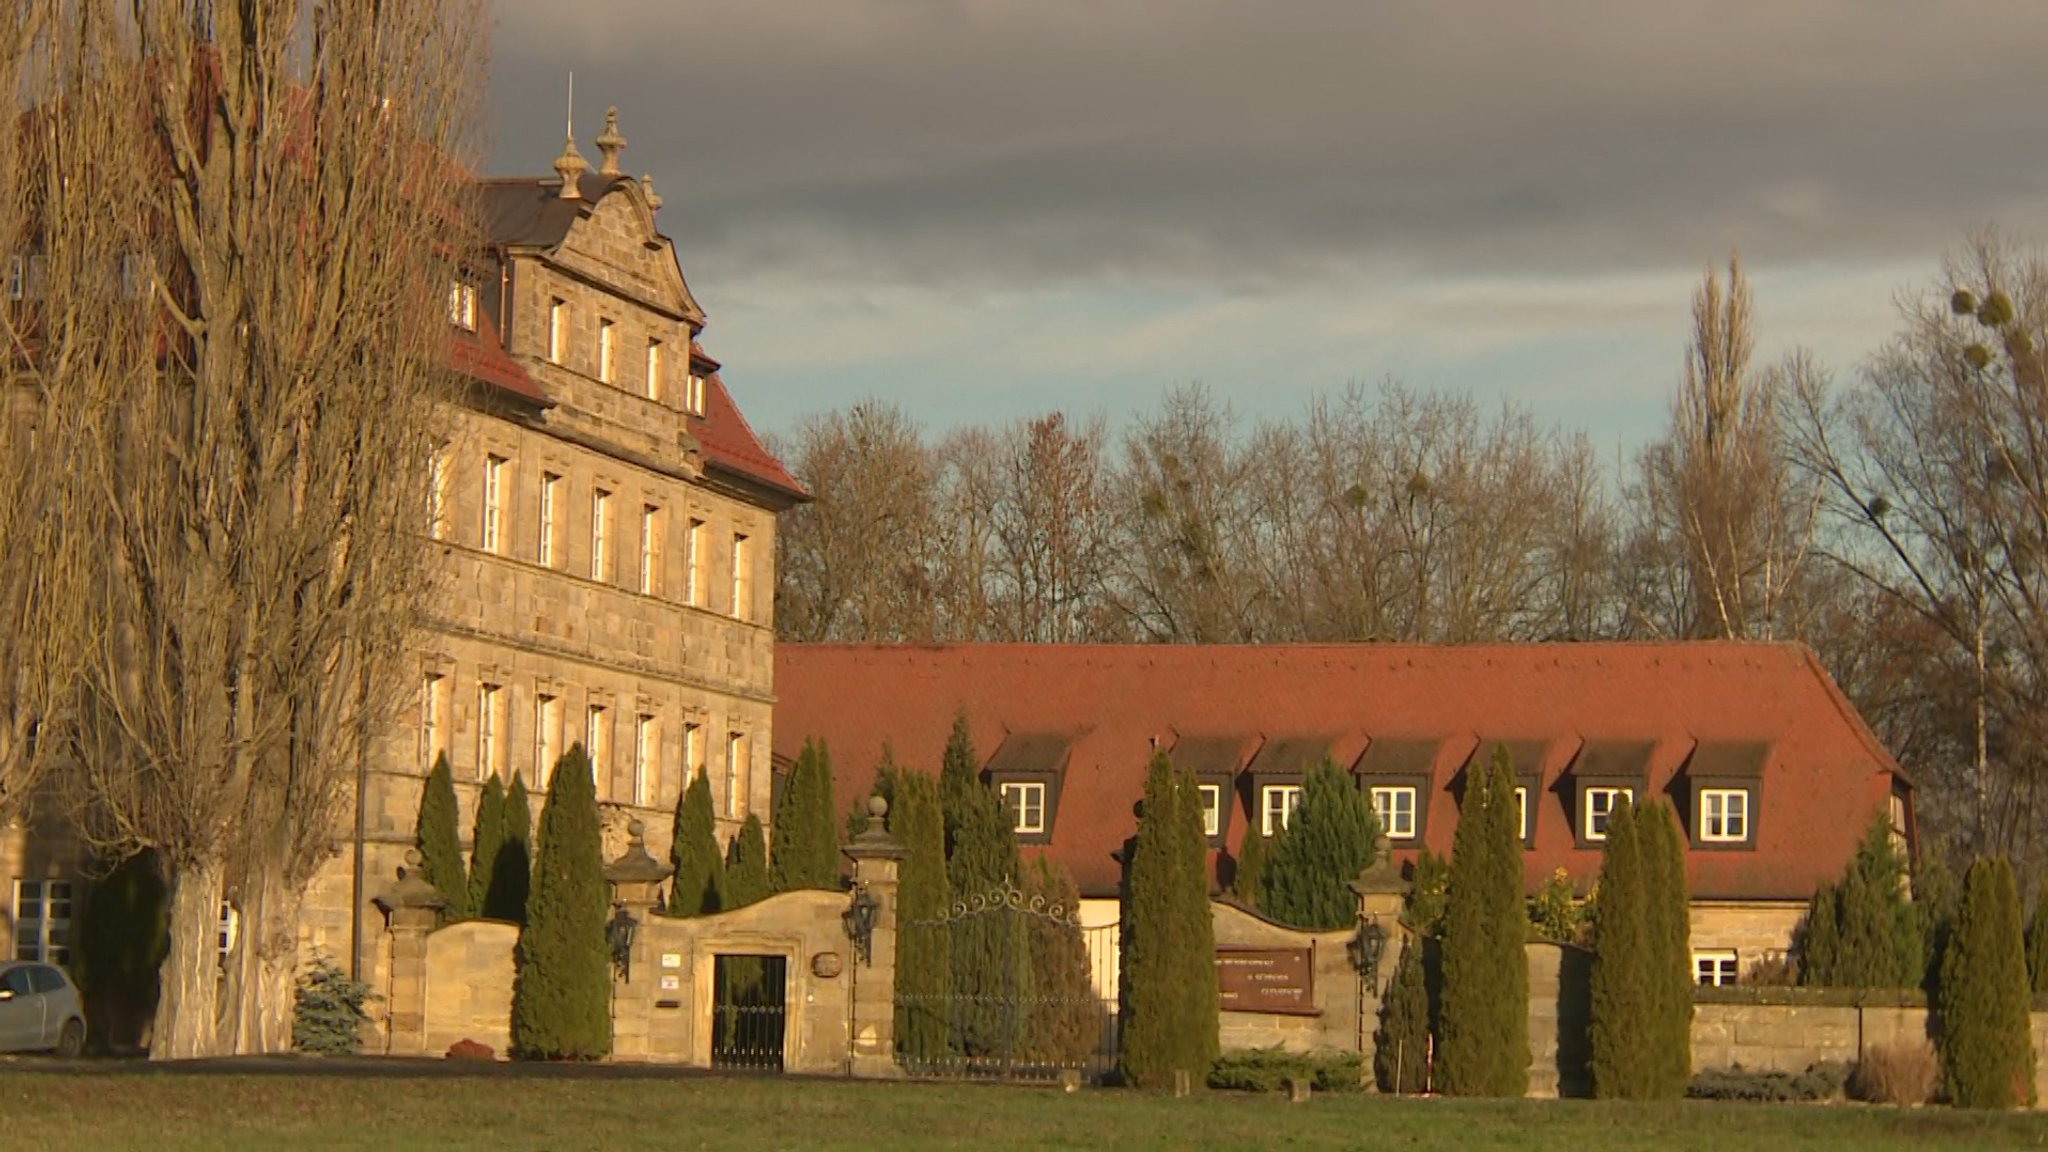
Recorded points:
635,875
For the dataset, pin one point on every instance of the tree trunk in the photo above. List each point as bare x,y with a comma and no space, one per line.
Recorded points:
188,1012
257,999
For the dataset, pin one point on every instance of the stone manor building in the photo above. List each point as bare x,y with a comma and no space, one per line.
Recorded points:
606,523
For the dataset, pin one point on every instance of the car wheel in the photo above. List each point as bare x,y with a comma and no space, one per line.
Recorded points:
71,1041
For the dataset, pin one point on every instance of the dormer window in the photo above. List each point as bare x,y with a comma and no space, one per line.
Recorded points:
1277,803
1723,783
1025,802
1599,805
1025,773
1724,815
1214,761
1395,807
1212,810
462,306
1602,774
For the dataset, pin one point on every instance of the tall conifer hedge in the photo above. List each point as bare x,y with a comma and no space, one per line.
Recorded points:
1623,964
1863,931
1483,1045
1669,918
1328,841
746,865
561,987
512,870
1986,1045
991,954
485,842
924,954
806,849
699,884
1168,949
440,842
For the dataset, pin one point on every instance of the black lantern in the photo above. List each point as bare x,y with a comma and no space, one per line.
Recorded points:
859,919
618,932
1366,948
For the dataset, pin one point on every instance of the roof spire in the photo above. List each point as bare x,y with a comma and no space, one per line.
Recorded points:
610,144
570,165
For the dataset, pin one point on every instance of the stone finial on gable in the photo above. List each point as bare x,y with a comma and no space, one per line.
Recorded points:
570,166
653,197
610,144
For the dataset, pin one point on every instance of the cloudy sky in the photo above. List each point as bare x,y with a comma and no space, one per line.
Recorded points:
982,209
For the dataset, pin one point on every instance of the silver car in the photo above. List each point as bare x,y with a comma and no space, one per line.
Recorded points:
39,1010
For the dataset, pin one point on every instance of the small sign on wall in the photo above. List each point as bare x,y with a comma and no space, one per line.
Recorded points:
671,960
671,983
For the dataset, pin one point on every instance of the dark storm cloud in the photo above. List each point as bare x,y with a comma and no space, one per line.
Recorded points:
935,142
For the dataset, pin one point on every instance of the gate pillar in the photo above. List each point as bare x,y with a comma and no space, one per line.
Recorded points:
871,925
412,909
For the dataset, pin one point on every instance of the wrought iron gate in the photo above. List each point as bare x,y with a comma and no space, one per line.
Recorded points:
749,1012
1020,995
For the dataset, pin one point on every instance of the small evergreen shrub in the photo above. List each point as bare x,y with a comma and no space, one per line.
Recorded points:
1327,842
1271,1069
1896,1074
1987,1049
1555,912
327,1011
1822,1081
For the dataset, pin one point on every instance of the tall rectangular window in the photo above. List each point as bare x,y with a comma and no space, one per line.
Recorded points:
462,305
1212,809
433,718
600,533
742,578
550,500
646,766
699,561
1395,808
1599,805
1521,812
1724,815
605,342
597,742
437,493
1277,803
558,330
1025,801
42,921
693,395
654,369
735,758
547,738
490,729
693,753
650,551
494,505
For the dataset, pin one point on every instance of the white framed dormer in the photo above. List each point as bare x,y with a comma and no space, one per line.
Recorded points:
1277,803
1596,807
1394,805
1024,800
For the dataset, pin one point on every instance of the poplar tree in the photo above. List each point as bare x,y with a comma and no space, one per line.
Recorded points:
1168,947
440,844
699,884
806,849
1986,1045
1483,1047
1328,841
512,872
746,865
485,842
562,978
924,954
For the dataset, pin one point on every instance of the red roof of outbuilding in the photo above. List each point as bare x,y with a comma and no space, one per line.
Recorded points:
1645,707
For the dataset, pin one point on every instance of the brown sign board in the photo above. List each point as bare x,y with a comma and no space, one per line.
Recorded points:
1280,981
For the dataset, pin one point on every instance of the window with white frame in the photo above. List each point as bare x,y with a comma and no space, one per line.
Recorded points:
699,561
597,741
1395,807
433,718
1277,803
550,502
558,330
1599,805
1212,809
735,758
1521,812
1724,815
605,343
742,577
650,551
1715,969
654,369
693,395
42,921
437,493
547,737
600,533
490,729
462,305
646,766
494,503
1025,801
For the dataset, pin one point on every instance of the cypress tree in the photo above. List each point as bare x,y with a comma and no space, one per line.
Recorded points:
440,844
1934,904
1248,881
1306,881
699,884
1066,1019
2037,951
924,953
1986,1046
1668,975
561,987
991,954
1483,1048
806,849
1814,940
746,865
512,871
1864,932
1167,953
1624,964
1400,1056
1428,888
485,842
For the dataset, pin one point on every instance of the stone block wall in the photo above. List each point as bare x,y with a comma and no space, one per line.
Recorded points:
1346,1010
469,985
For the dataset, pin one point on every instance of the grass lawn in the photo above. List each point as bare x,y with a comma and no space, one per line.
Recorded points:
394,1105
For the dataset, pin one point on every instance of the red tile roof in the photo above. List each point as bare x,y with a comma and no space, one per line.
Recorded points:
481,356
730,445
1823,777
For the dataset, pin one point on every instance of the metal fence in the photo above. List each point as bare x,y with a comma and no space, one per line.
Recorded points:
750,1012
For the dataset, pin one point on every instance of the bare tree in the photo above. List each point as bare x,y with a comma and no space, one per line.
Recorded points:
251,215
1054,532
